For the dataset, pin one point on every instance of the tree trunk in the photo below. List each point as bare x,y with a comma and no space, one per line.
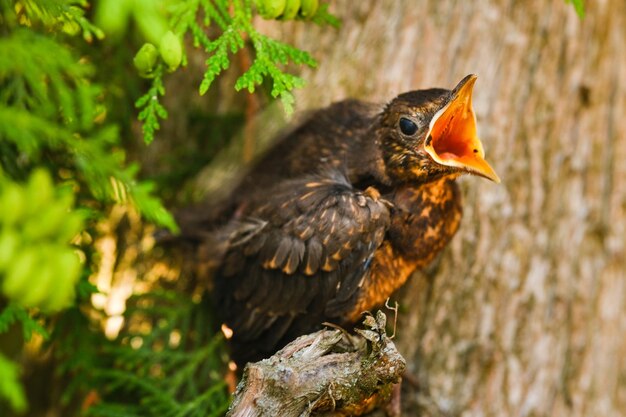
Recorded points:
525,313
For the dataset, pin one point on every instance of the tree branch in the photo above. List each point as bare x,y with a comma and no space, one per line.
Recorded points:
325,373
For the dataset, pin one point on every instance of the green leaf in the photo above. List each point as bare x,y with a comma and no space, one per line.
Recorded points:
43,267
11,389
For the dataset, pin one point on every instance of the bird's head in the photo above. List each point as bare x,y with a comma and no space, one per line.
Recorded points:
428,134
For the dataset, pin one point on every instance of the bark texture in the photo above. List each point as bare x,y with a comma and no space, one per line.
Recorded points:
525,313
329,373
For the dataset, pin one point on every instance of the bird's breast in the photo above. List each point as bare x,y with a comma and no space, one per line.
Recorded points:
424,219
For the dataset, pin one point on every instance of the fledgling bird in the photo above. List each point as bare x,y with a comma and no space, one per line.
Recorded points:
336,216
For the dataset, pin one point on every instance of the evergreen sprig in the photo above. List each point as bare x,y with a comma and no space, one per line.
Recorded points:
174,365
233,20
11,390
13,313
270,56
324,17
151,108
61,15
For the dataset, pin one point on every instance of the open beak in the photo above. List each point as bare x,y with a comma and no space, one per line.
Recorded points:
452,138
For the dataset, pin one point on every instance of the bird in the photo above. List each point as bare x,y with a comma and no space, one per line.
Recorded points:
335,217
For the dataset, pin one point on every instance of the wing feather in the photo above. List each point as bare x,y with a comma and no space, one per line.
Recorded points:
305,264
296,253
313,255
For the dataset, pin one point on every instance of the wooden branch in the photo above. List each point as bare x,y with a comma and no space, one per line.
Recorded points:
325,373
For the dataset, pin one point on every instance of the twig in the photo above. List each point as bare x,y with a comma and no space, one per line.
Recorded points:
323,372
395,316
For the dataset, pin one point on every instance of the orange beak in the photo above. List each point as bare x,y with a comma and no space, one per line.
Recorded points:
452,138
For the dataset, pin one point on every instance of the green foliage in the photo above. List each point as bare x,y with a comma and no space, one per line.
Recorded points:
10,388
171,50
151,108
234,21
114,17
269,55
67,16
146,59
296,9
13,313
324,17
172,362
579,6
36,224
48,103
63,168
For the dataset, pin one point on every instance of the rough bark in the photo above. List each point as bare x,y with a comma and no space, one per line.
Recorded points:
325,373
525,313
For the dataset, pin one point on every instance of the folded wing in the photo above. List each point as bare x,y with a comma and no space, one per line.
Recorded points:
298,258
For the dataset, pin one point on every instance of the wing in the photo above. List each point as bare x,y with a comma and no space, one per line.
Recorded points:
304,262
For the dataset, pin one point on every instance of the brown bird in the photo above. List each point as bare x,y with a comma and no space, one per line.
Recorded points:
336,217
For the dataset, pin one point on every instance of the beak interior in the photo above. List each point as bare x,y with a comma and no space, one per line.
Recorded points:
452,139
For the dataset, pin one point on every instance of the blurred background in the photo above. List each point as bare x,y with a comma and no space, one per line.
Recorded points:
523,315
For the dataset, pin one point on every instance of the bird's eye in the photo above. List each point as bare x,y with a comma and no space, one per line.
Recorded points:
407,126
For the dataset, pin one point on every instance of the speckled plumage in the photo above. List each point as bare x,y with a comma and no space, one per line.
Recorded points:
338,215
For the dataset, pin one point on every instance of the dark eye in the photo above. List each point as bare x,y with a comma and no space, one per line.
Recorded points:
407,126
